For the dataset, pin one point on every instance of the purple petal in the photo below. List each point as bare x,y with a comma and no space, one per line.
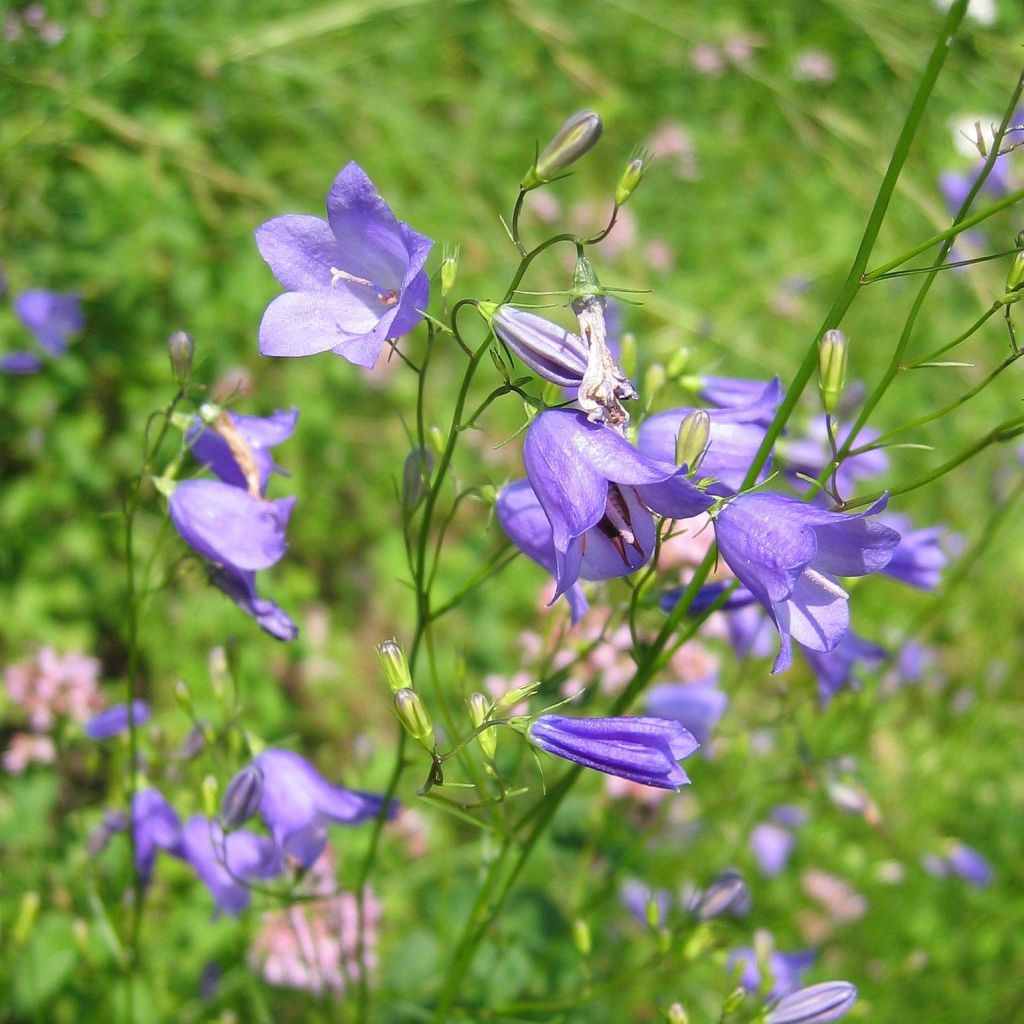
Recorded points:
116,720
51,316
20,362
696,706
414,303
772,846
300,251
305,323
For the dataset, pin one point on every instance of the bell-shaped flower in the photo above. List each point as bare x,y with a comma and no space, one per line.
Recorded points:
788,554
241,588
156,827
258,433
644,750
597,492
226,861
919,559
834,669
51,316
697,707
228,526
116,720
757,399
353,280
297,804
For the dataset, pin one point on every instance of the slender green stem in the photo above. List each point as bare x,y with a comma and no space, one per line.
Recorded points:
976,326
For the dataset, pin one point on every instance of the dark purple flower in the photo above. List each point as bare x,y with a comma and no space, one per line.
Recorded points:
644,750
228,526
727,894
697,707
260,433
20,362
156,826
297,804
51,316
787,554
758,398
834,669
772,846
526,525
787,969
595,489
226,862
637,897
819,1004
919,559
241,588
352,281
116,720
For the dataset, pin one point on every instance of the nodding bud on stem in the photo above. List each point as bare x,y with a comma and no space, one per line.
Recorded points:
1015,278
581,937
182,350
242,797
818,1004
692,439
552,352
396,668
419,464
631,177
832,355
209,791
487,738
414,717
514,697
449,267
727,894
570,142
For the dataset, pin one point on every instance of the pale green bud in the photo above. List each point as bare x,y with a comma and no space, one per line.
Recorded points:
677,364
675,1014
692,439
832,356
654,379
449,267
209,791
414,717
488,738
631,177
1015,278
183,696
182,350
513,697
628,354
28,911
570,142
581,936
733,1001
396,668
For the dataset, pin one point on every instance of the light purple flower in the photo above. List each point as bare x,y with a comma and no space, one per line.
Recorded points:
786,969
20,362
919,559
644,750
595,489
697,707
352,281
834,669
636,897
260,433
819,1004
787,554
552,352
157,827
226,862
790,815
727,894
116,720
758,398
51,316
810,454
772,846
241,588
228,526
297,803
969,864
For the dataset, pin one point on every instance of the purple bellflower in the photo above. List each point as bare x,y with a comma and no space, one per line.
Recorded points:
644,750
759,398
156,827
116,720
20,362
526,525
818,1004
241,588
552,352
297,803
787,554
834,669
786,969
225,862
772,846
697,707
596,489
810,454
51,316
919,559
961,860
352,281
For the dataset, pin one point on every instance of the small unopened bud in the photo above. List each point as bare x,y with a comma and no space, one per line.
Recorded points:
419,464
677,364
209,791
654,379
487,738
727,894
80,935
414,717
628,353
396,668
849,799
437,440
692,439
449,267
242,797
210,413
817,1004
183,696
26,919
514,696
182,350
1015,278
733,1001
675,1014
570,142
552,352
194,742
581,936
832,356
631,177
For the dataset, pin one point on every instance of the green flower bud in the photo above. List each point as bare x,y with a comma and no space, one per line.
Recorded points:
1015,278
396,668
692,439
513,697
479,705
570,142
675,1014
26,919
581,936
631,177
449,267
183,696
182,350
628,354
209,790
832,355
414,717
654,380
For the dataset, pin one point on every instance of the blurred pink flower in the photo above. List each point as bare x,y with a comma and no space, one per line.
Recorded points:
739,48
673,143
51,685
814,66
707,60
26,749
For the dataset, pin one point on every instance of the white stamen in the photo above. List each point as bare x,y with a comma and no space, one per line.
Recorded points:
829,586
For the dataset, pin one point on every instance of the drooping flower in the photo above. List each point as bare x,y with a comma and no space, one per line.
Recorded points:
788,554
297,804
552,352
116,720
241,588
352,281
156,826
596,489
919,559
834,669
51,316
818,1004
644,750
697,707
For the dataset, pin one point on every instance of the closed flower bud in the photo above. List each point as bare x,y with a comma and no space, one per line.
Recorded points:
631,177
692,439
487,738
209,791
727,894
414,717
419,464
581,936
26,919
552,352
396,668
509,700
449,268
832,356
818,1004
675,1014
571,141
654,380
1015,278
242,797
193,743
182,350
628,353
183,696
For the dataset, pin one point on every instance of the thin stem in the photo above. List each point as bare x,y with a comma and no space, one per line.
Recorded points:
976,326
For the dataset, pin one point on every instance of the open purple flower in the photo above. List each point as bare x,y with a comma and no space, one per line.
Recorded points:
771,845
241,588
225,862
919,559
596,489
834,669
786,969
51,316
788,554
644,750
157,827
352,281
297,803
697,707
116,720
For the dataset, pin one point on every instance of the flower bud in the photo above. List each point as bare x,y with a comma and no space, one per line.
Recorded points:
654,380
832,355
727,894
449,267
675,1014
396,668
552,352
419,464
242,797
817,1004
414,717
182,350
692,439
183,696
509,700
571,141
631,177
209,792
26,919
733,1001
849,799
628,353
479,705
1015,278
581,936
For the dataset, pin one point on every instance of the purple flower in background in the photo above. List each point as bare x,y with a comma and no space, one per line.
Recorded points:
526,525
758,398
637,897
20,362
810,455
919,559
226,862
644,750
772,846
969,864
297,804
352,281
259,433
697,707
51,316
819,1004
595,489
228,526
116,720
241,588
913,660
834,669
157,827
786,969
787,554
727,894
